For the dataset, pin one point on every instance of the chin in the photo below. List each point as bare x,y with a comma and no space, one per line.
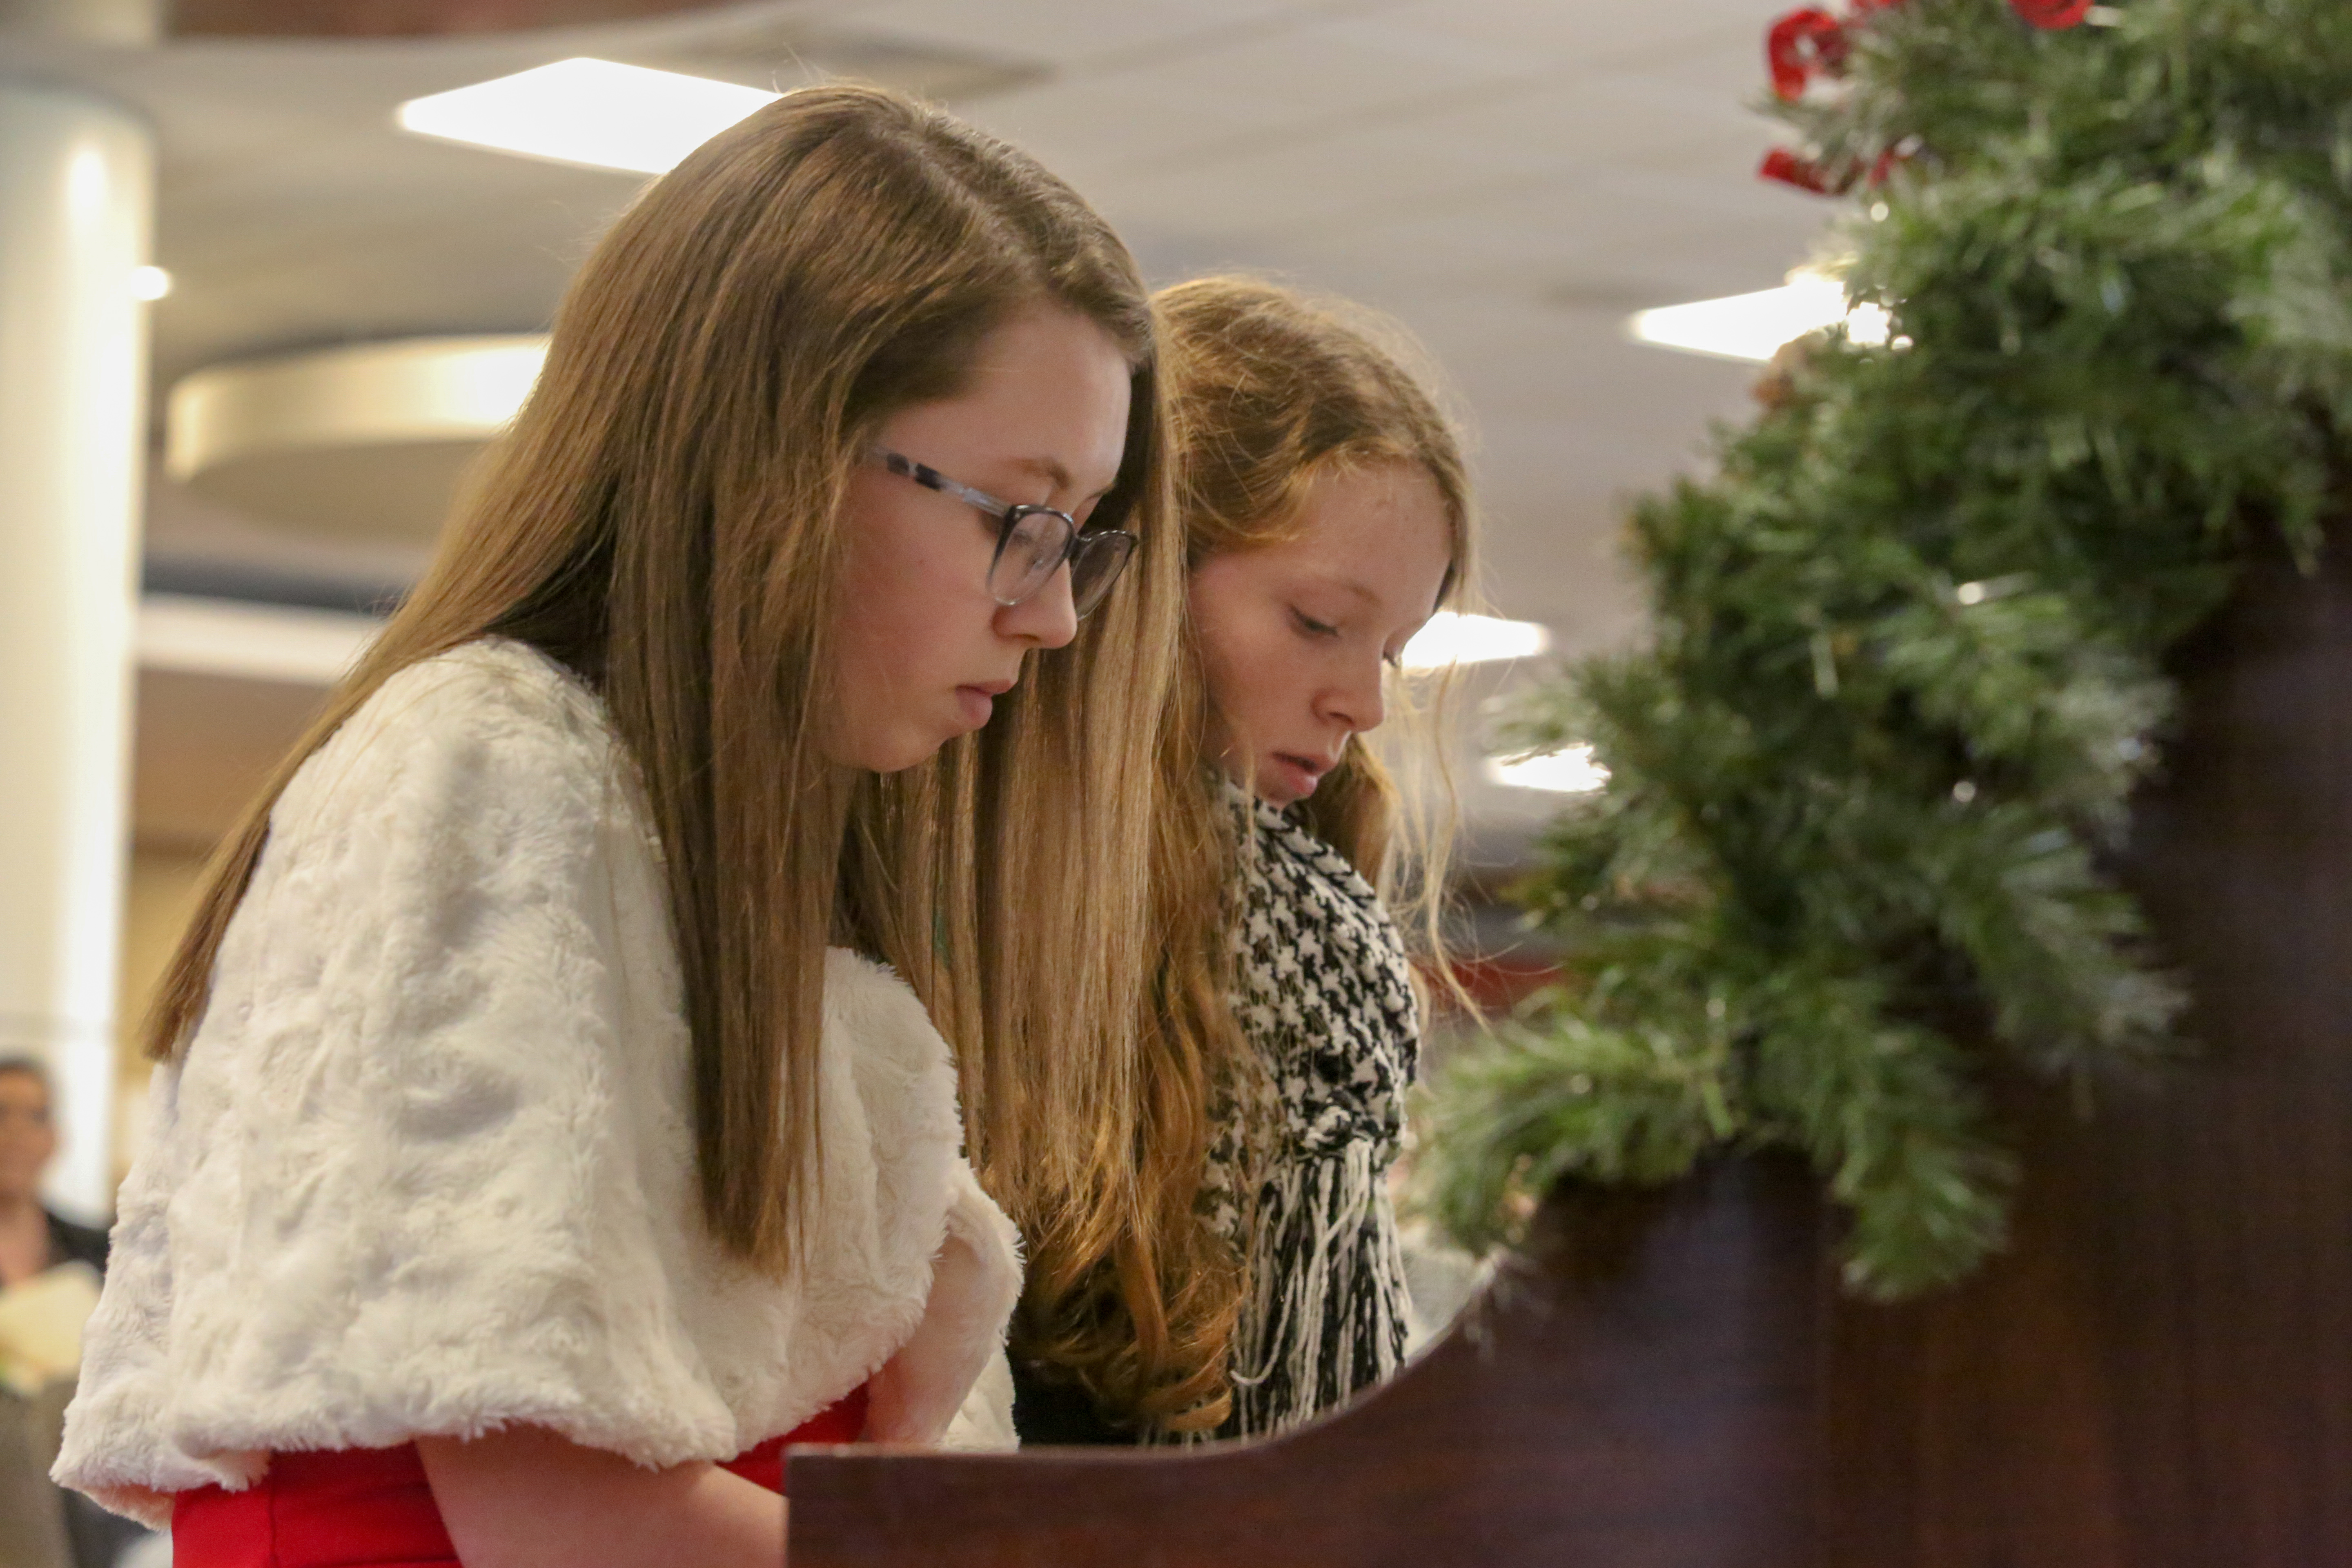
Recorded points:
1279,795
899,762
915,748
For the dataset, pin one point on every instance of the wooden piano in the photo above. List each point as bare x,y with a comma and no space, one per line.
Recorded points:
2158,1375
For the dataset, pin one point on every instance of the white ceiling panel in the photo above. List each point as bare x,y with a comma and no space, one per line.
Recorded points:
1580,237
1591,36
1085,129
1471,148
1079,33
1170,113
1725,64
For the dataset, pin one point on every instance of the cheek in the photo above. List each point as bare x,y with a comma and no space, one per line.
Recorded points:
912,621
913,584
1252,677
886,606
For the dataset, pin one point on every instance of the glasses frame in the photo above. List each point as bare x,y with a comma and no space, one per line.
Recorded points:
1076,543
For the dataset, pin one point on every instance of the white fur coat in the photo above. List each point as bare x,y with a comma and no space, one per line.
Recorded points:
427,1165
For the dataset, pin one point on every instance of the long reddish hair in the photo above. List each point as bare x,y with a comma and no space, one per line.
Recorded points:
1269,391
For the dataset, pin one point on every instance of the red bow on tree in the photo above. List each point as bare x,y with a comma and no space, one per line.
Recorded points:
1811,42
2053,14
1801,43
1791,169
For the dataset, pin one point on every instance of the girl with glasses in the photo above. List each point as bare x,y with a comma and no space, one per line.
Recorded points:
550,1121
1254,1278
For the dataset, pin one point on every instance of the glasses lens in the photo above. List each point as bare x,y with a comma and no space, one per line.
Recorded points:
1102,555
1034,544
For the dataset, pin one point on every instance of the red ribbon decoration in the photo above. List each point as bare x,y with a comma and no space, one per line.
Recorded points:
2053,14
1786,167
1801,43
1829,180
1811,41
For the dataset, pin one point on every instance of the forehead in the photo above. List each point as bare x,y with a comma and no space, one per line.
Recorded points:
18,1086
1047,394
1388,502
1379,531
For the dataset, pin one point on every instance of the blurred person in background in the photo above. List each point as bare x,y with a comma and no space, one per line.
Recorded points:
50,1270
34,1240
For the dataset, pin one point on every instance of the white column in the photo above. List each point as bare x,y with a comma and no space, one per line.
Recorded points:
77,177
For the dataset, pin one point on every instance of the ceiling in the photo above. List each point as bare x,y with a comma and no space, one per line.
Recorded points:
1510,177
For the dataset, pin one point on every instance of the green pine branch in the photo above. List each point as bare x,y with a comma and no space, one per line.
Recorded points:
1908,639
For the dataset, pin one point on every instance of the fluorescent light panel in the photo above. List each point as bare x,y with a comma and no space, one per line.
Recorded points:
1753,327
1451,638
597,113
1571,770
195,635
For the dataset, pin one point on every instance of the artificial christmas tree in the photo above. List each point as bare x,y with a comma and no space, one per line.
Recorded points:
1906,667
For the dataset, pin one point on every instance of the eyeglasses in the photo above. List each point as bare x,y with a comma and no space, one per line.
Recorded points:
1031,541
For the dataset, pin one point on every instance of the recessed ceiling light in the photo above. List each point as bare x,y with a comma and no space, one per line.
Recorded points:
1450,639
150,283
597,113
1570,771
1753,327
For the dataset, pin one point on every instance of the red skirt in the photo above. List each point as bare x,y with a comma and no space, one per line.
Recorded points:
373,1506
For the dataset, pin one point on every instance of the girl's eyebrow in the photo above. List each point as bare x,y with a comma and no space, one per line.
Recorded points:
1048,468
1350,585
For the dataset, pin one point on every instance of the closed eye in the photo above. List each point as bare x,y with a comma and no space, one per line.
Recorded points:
1312,626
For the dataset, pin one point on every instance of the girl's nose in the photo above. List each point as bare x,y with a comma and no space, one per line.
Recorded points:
1046,618
1360,702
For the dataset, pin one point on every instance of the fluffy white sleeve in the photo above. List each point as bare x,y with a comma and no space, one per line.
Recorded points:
418,1172
984,1422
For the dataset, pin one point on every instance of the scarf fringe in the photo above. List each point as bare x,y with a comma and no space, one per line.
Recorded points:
1328,1314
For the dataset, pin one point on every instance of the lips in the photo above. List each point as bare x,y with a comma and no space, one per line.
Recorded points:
977,701
1297,776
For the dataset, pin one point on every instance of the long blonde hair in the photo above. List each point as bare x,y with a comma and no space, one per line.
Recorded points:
662,519
1268,392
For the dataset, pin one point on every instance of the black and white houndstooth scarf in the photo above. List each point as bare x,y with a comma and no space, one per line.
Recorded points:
1322,988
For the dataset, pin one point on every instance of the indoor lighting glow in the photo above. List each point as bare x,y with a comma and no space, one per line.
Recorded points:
150,283
597,113
359,395
1753,327
250,642
1568,771
1450,639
